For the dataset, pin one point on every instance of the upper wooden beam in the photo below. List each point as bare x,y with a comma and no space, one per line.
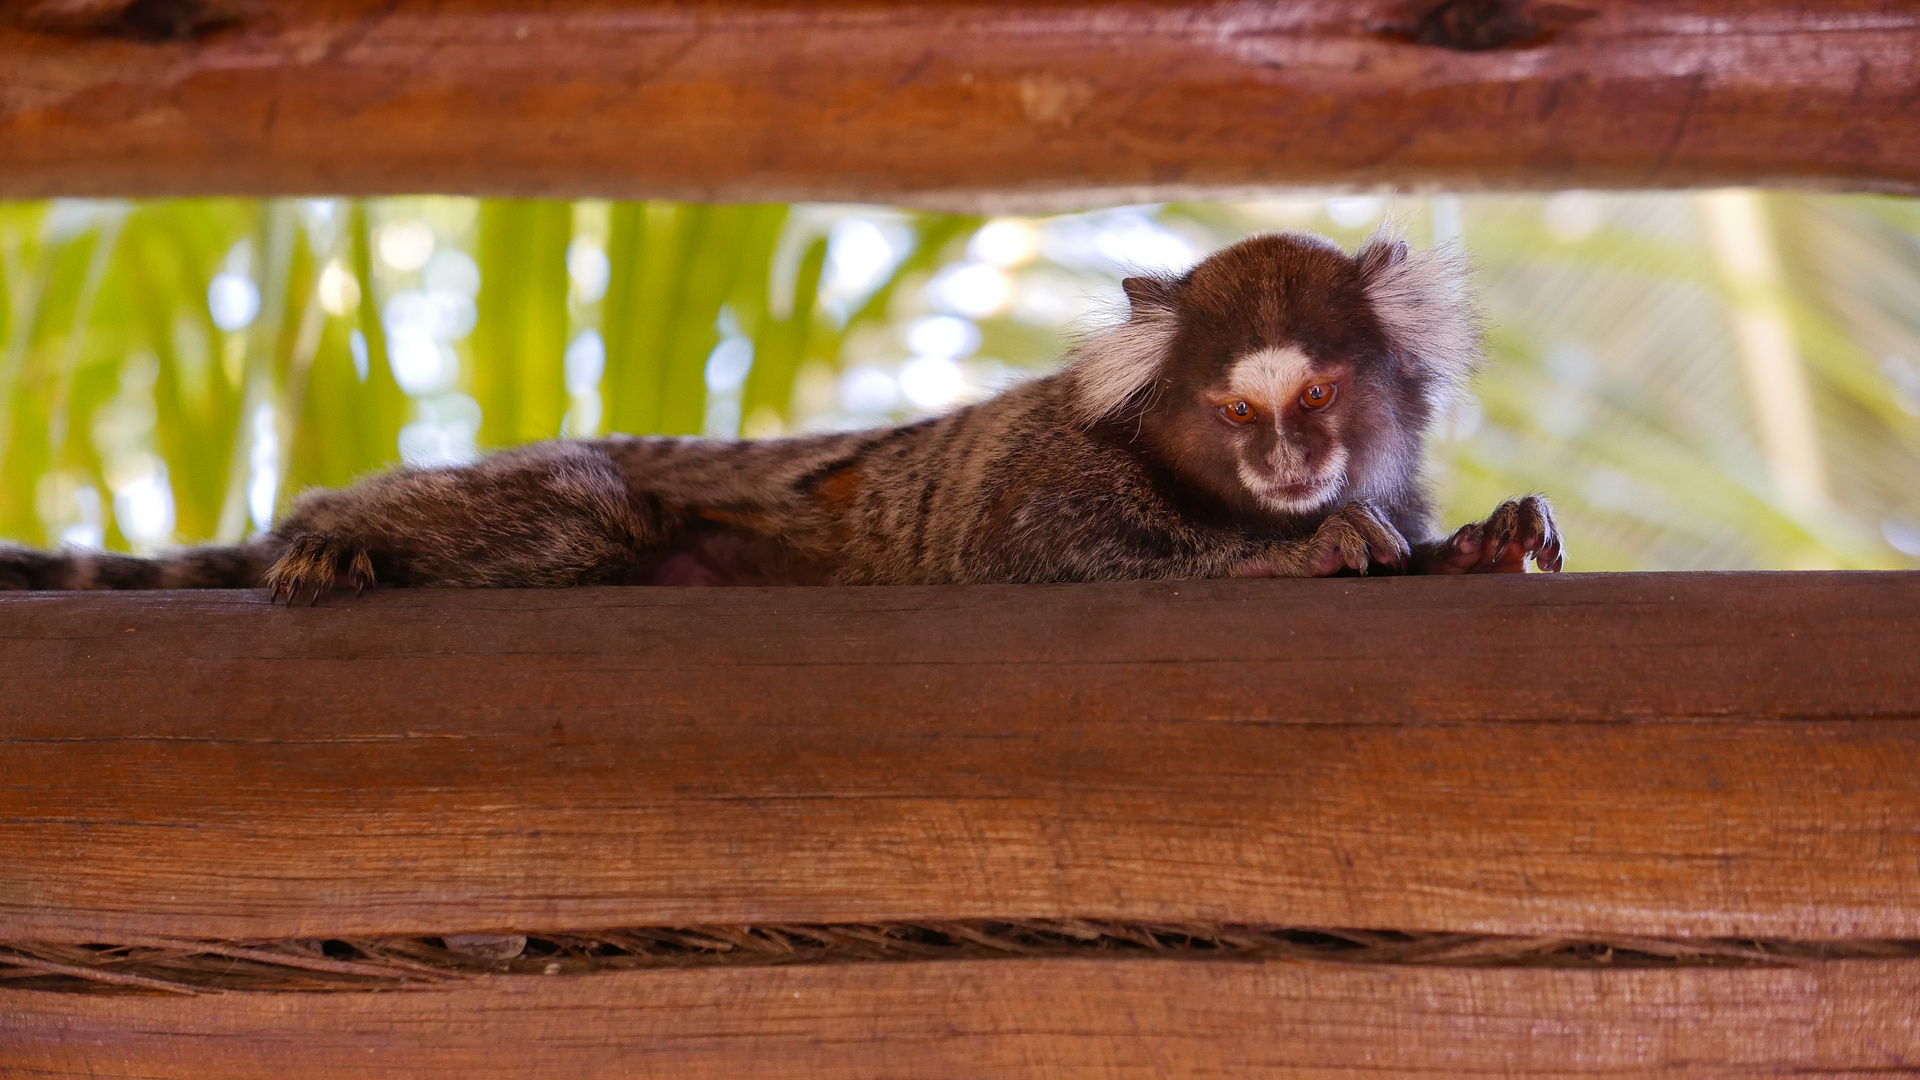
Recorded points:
950,102
1652,754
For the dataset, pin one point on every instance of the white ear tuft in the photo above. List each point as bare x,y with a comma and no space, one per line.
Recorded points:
1116,365
1424,301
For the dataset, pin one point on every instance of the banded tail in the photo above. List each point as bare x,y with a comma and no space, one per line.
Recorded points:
210,567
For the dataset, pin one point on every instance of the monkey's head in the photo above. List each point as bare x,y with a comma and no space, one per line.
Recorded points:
1282,376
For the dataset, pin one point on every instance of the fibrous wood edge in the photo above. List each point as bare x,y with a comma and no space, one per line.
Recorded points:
1056,1018
187,966
949,102
1717,755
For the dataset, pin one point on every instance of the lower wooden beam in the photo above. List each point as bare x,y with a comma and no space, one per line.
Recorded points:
1730,755
1629,756
1014,1018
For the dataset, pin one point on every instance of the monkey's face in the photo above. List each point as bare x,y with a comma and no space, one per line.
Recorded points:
1269,396
1265,377
1278,416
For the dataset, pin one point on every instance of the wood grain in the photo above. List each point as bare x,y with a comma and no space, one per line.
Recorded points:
1685,754
1008,1018
950,101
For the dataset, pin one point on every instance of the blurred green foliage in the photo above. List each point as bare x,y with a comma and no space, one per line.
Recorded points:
174,371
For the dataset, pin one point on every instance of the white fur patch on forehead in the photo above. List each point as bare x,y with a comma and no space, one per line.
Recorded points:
1270,376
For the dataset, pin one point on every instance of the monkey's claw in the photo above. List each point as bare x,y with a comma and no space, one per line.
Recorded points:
1516,530
316,562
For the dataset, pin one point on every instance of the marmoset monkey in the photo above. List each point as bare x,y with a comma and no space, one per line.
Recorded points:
1260,415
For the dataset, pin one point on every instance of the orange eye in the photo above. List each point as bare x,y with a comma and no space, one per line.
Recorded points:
1237,412
1319,395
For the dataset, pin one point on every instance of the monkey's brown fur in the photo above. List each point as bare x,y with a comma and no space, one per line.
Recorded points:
1132,462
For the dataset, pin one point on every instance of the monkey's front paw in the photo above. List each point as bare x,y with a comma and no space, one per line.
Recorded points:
317,562
1355,537
1519,528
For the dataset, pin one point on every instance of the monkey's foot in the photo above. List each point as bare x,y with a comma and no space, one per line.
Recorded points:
1518,529
317,562
1355,537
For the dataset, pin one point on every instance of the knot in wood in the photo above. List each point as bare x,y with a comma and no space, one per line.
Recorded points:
1484,25
136,20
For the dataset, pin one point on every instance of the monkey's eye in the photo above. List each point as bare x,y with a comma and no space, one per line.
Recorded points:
1237,412
1319,395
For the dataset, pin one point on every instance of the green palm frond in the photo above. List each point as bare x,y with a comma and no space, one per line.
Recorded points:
521,334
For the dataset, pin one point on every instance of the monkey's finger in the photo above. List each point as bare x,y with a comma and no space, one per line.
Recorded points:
1497,546
361,569
1398,557
1528,520
1344,531
1506,517
1501,556
1385,546
1355,552
1532,533
1393,551
1551,556
1537,517
1325,560
1554,547
1530,543
1397,552
1527,543
1502,527
1463,549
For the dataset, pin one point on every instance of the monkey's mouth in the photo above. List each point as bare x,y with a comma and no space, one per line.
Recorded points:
1298,496
1285,490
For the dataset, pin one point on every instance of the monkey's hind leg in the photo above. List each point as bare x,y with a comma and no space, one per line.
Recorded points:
550,515
316,562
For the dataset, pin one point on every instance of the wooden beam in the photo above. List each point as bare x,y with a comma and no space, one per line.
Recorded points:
950,101
1684,754
1004,1018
